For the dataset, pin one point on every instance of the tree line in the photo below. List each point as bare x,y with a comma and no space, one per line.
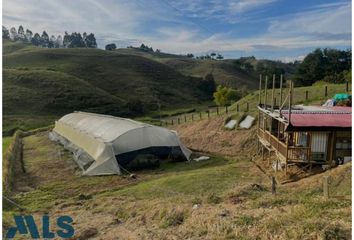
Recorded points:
328,65
73,40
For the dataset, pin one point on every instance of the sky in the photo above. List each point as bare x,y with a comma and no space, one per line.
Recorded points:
283,30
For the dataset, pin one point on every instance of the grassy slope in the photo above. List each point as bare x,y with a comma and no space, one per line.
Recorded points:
47,82
159,204
224,71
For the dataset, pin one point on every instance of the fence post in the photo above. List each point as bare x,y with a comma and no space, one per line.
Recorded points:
274,190
347,86
307,95
237,108
185,118
325,91
208,114
226,109
178,120
275,102
200,115
217,110
172,121
325,187
192,117
246,106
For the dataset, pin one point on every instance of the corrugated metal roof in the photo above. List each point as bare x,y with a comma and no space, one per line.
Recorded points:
314,116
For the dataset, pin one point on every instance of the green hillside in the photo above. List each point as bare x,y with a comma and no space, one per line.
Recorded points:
51,82
235,73
224,72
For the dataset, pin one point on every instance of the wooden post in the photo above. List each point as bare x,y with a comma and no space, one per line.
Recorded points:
347,86
172,121
226,109
260,90
290,98
200,115
281,89
307,95
178,120
217,110
192,117
185,118
247,106
237,107
208,114
325,187
275,101
265,92
274,183
273,89
325,91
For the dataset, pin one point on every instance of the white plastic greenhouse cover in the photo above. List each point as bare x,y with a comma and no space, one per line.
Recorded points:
100,138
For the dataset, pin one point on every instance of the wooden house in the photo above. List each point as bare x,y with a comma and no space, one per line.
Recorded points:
304,134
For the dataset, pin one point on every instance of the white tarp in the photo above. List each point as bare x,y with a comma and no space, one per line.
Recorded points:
247,122
231,124
101,138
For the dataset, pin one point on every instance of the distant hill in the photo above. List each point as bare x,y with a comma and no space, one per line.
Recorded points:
41,81
126,82
235,73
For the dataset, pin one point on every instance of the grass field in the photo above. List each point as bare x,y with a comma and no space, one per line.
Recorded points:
220,198
52,82
6,141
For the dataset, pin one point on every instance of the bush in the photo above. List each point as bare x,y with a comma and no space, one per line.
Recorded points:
224,95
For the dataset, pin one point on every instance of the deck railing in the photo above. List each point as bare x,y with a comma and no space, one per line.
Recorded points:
292,153
299,153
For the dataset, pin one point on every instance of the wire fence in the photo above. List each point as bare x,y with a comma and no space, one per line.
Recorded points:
244,106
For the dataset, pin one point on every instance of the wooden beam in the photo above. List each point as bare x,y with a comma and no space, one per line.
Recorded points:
265,93
260,89
273,89
281,89
290,99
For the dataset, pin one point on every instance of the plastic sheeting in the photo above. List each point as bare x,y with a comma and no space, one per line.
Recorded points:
231,124
101,138
247,122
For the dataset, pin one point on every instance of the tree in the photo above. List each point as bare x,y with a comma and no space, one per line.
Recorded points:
36,40
67,40
111,46
21,33
5,33
323,64
90,41
212,55
224,95
44,39
190,55
52,41
28,35
208,84
13,34
76,41
59,42
219,57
